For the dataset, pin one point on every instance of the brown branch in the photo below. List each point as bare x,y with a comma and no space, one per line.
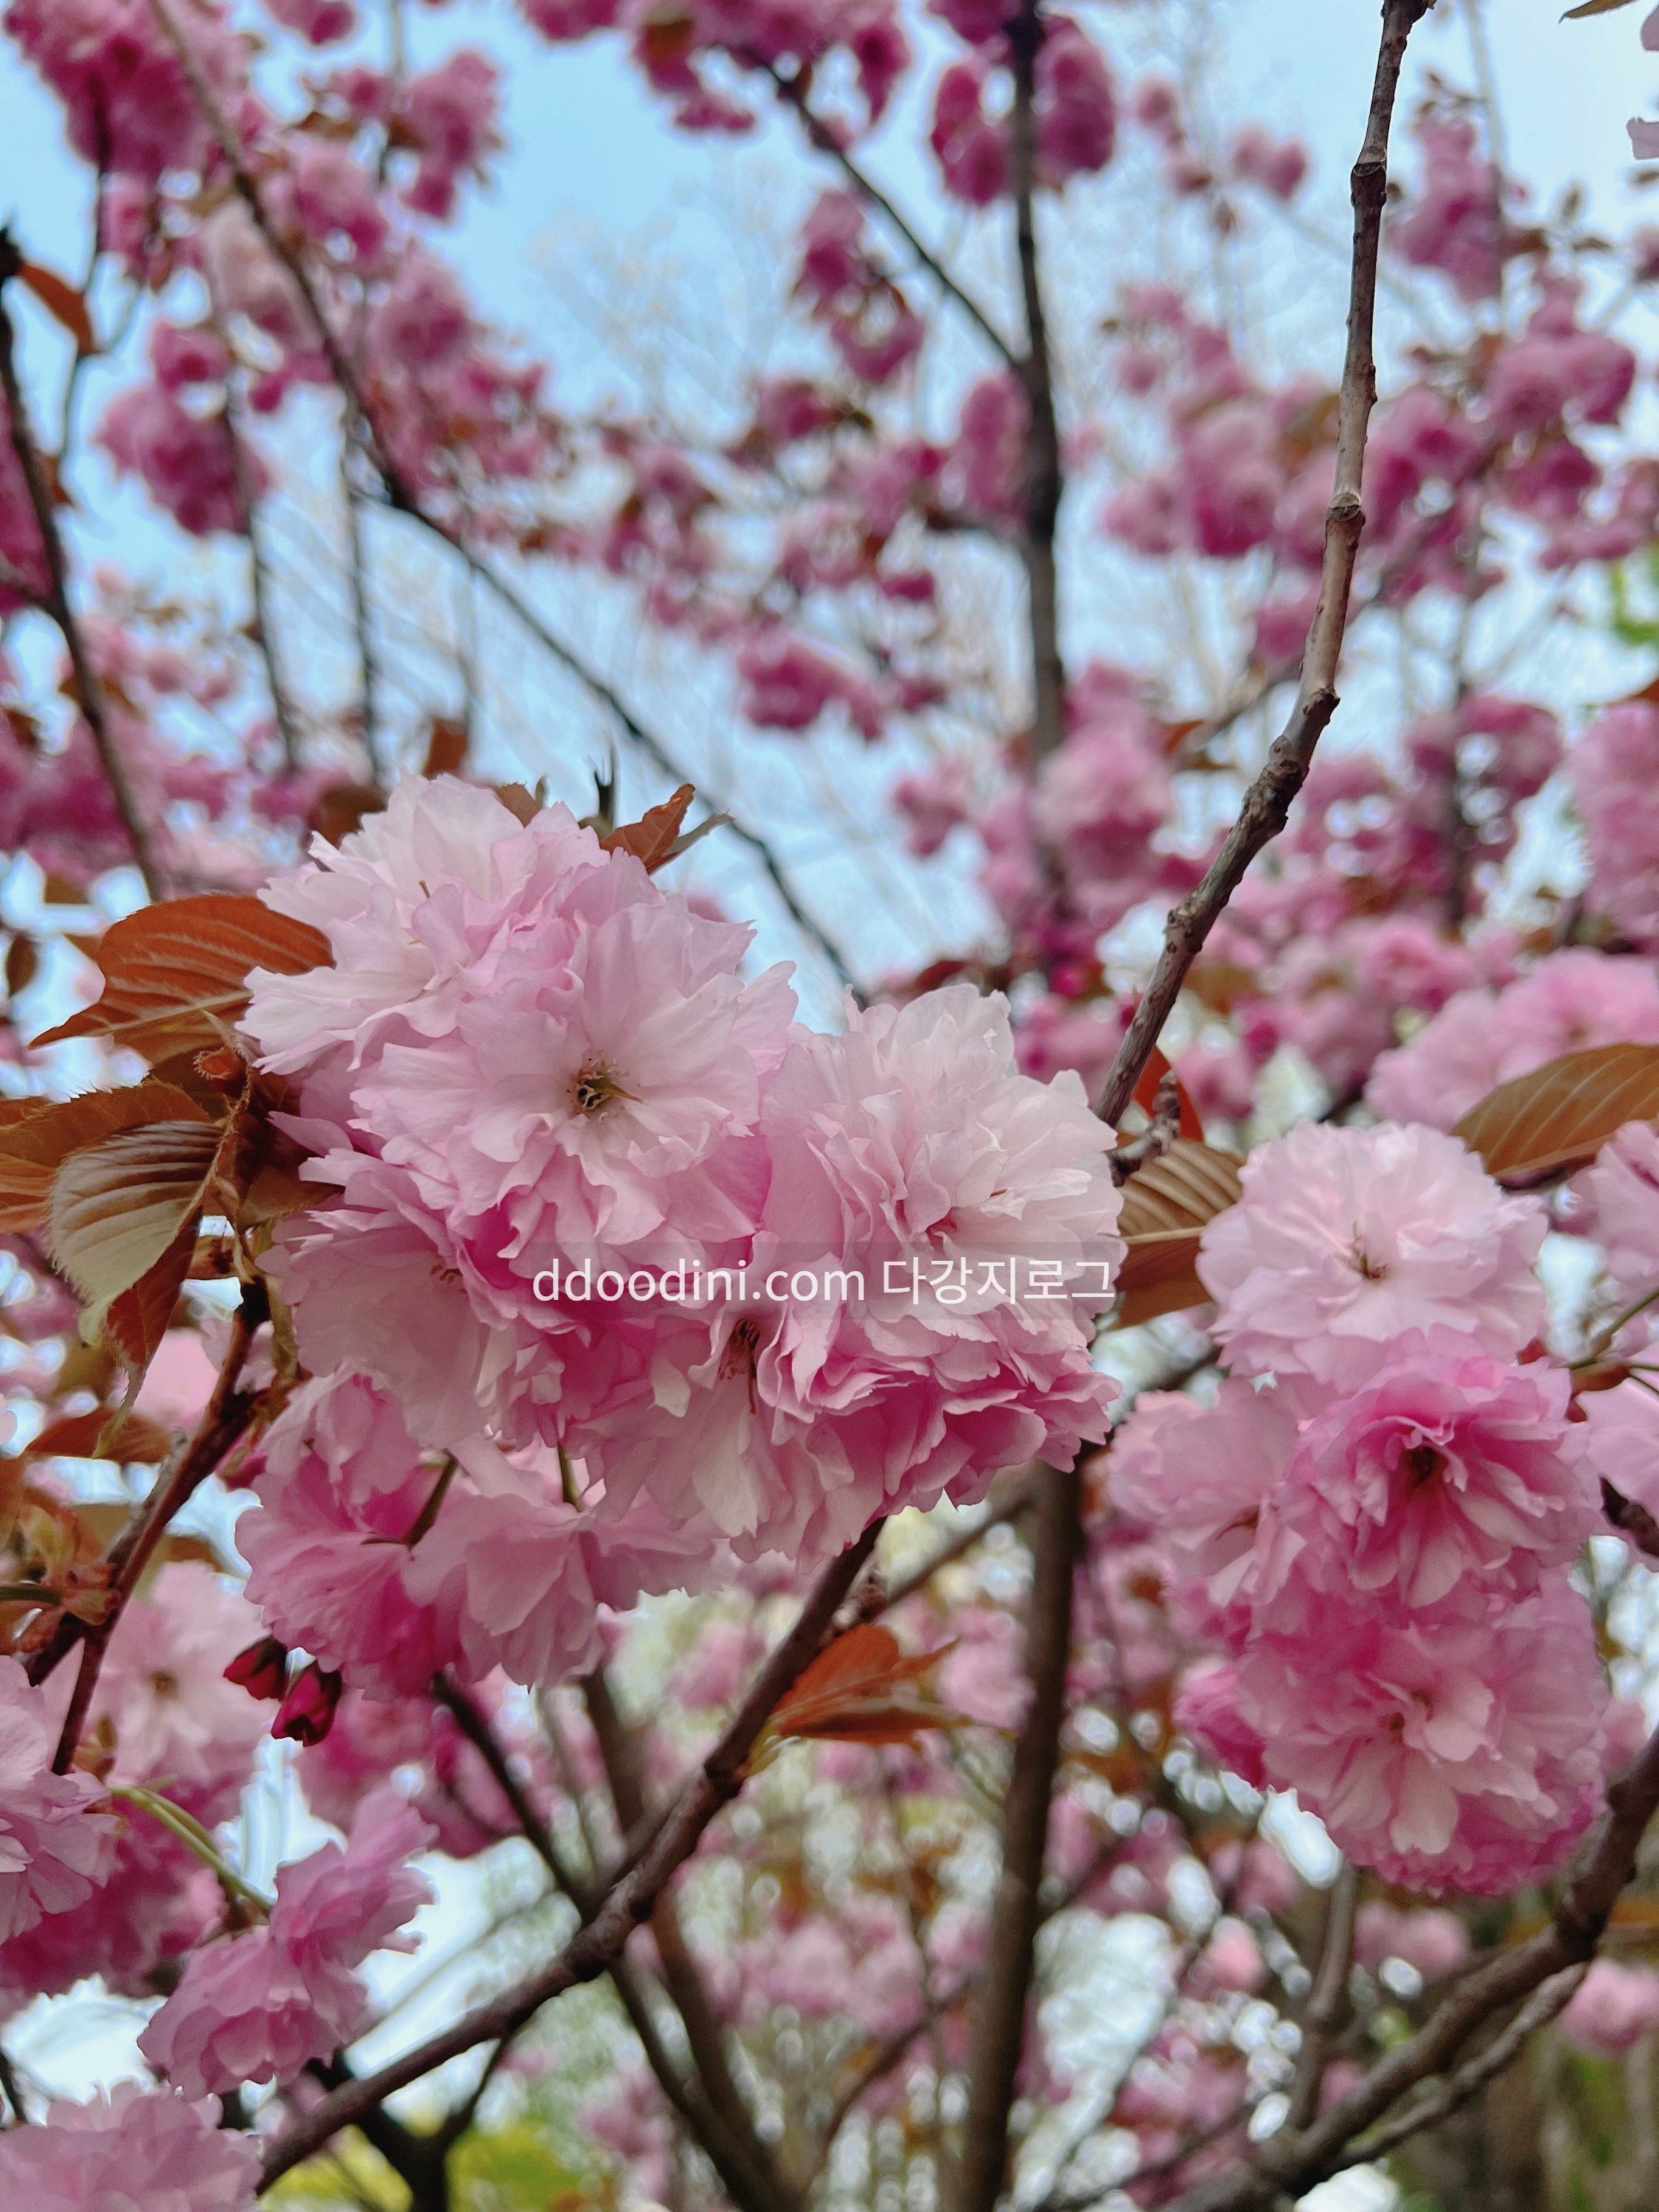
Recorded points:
1546,2001
629,1903
227,1413
760,2187
89,692
1006,1504
725,2152
1267,802
362,615
1292,2163
999,2029
404,498
792,90
1328,2001
1043,483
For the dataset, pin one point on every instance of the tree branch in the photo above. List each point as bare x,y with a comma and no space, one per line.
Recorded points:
227,1414
89,692
792,90
403,500
1329,1999
1267,802
1043,484
1292,2163
998,2028
629,1903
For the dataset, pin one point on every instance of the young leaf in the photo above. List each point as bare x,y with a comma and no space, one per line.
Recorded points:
175,975
62,303
133,1439
1594,7
123,1208
1559,1116
1167,1206
37,1136
654,837
858,1692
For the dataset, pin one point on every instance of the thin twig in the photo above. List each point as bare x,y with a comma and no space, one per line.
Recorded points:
1267,802
227,1413
89,692
1044,483
998,2024
1329,1998
1293,2162
1550,1998
626,1905
403,500
792,90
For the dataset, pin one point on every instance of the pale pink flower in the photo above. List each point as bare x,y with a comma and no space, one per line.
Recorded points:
1444,1753
1347,1240
131,2150
1434,1941
1621,1430
341,1491
1572,1000
1617,1197
412,903
910,1157
1201,1480
591,1093
1206,1708
1612,2008
261,2005
1444,1471
57,1841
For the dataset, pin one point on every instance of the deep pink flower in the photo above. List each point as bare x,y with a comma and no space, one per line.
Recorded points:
1442,1753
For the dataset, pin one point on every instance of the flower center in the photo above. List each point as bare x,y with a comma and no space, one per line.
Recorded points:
595,1086
164,1684
1423,1463
1362,1262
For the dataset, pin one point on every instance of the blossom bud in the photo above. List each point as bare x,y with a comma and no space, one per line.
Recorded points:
262,1670
307,1713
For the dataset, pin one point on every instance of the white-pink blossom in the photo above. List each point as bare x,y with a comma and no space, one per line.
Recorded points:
131,2150
261,2005
1347,1240
56,1836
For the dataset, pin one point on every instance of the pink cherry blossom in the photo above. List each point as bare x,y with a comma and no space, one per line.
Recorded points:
342,1489
1612,2008
1346,1240
1444,1473
1444,1753
130,2147
1572,1000
1622,1441
259,2006
56,1842
1618,1204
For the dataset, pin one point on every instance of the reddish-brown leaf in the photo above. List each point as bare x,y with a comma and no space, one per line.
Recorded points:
445,746
133,1438
859,1691
175,975
121,1209
1145,1096
519,802
37,1136
62,303
655,836
1559,1116
1167,1206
